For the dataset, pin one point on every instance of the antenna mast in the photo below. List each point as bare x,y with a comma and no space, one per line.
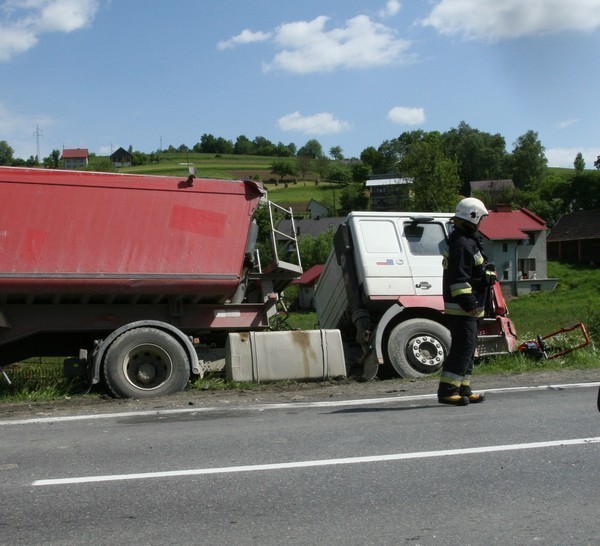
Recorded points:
38,133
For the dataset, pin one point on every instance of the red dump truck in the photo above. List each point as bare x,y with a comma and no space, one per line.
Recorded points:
142,276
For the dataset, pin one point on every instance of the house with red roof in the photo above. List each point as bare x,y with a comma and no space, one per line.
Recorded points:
307,282
515,240
75,158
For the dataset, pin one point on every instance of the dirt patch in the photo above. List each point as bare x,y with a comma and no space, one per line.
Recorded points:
297,392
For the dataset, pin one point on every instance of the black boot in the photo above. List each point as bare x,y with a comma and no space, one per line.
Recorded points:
474,398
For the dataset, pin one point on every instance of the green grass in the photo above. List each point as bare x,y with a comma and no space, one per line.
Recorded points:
574,300
229,166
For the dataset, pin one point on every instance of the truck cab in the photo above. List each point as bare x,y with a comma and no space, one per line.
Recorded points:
382,287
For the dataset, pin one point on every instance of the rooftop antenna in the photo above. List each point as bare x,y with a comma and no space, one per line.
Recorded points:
38,133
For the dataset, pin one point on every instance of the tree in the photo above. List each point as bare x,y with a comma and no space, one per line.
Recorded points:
53,160
360,172
303,165
336,153
436,183
263,146
480,155
6,153
242,146
528,161
315,250
340,174
322,166
282,168
584,191
353,197
372,158
597,163
312,149
579,162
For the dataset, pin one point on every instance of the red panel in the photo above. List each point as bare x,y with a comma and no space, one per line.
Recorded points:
61,229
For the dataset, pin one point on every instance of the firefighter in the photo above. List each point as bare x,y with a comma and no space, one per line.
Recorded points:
465,283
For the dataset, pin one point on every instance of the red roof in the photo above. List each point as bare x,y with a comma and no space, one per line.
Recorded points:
311,276
74,153
510,225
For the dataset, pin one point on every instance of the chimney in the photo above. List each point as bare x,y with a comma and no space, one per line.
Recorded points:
503,208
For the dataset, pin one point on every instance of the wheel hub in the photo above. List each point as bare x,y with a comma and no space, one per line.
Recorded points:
427,350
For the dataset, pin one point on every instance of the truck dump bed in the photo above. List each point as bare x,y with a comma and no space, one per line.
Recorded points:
74,236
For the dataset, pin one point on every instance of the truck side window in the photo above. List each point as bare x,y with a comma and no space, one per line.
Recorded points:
425,239
380,237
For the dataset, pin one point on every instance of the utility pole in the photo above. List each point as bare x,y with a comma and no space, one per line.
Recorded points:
38,133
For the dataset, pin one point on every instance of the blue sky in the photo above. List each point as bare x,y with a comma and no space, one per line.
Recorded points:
100,74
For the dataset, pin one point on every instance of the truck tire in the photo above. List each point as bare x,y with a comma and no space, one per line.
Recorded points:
145,362
418,347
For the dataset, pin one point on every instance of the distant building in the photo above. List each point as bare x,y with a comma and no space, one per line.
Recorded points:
389,193
75,158
515,240
575,238
121,158
309,226
317,209
307,283
492,186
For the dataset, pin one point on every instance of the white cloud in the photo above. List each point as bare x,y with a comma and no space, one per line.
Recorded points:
392,7
564,157
319,124
308,46
244,37
568,122
24,21
404,115
493,20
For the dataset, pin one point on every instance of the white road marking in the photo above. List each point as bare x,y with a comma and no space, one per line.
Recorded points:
308,464
282,405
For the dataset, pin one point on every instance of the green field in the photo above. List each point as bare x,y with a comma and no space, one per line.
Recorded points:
297,194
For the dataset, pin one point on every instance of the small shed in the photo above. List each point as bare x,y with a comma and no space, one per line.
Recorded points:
316,209
75,158
121,158
575,238
307,282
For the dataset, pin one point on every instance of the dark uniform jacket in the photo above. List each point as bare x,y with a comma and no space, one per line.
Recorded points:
464,280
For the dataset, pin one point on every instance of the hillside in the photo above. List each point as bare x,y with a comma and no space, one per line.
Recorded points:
296,195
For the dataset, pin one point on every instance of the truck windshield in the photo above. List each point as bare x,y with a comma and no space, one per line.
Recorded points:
426,239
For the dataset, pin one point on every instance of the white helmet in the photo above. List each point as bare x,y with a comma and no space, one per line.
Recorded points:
471,210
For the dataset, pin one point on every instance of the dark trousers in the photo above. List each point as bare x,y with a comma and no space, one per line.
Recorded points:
458,365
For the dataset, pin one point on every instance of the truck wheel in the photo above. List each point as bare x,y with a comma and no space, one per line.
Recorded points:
145,362
418,347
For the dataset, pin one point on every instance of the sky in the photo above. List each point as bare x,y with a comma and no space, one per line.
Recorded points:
100,74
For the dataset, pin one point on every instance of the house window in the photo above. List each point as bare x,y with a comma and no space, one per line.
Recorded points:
505,247
527,268
505,275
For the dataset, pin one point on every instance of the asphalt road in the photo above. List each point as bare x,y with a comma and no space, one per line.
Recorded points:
522,468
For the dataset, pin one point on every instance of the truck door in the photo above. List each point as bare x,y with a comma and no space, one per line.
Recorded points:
425,241
381,260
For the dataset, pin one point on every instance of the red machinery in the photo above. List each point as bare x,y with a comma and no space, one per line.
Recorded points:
539,348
